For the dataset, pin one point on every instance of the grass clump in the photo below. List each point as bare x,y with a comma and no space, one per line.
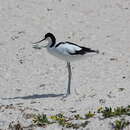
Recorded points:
63,121
109,112
66,121
89,115
69,122
60,118
41,120
120,124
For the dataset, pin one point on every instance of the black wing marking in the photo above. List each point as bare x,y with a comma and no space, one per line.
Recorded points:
72,43
59,44
83,51
65,43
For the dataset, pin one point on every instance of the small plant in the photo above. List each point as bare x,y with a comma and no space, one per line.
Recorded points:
89,115
120,124
122,111
61,119
41,120
108,112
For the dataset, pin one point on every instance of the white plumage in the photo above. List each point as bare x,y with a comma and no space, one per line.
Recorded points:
67,48
63,51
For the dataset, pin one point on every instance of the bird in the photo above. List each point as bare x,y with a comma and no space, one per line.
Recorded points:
66,51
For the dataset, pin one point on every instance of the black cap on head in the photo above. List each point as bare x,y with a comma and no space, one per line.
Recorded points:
49,35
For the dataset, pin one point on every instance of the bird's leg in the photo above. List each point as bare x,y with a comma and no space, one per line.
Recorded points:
69,77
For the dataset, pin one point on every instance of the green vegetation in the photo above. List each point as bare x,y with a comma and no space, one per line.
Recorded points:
109,112
41,120
61,119
89,115
68,122
120,124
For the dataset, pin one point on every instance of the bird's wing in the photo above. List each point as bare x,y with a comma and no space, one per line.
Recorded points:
67,48
82,50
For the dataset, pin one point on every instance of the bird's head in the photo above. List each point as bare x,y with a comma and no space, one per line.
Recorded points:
49,37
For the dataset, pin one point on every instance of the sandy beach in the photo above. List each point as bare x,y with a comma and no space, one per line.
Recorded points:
33,82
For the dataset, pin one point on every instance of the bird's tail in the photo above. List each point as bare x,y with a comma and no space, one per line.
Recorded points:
89,50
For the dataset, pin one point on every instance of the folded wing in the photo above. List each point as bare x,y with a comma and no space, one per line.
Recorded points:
69,48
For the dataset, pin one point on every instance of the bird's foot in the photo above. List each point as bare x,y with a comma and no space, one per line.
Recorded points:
65,95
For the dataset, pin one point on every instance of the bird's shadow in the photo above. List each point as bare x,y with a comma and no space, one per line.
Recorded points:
35,96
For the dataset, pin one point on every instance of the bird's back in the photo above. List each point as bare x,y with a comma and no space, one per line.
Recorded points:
69,51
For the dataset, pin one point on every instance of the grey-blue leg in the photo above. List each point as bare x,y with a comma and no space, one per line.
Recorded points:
69,77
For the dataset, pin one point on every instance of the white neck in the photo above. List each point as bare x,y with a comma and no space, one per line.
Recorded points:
49,40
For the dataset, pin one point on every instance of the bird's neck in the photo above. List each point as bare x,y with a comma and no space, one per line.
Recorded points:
51,41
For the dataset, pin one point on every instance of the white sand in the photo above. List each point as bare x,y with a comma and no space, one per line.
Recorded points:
31,79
